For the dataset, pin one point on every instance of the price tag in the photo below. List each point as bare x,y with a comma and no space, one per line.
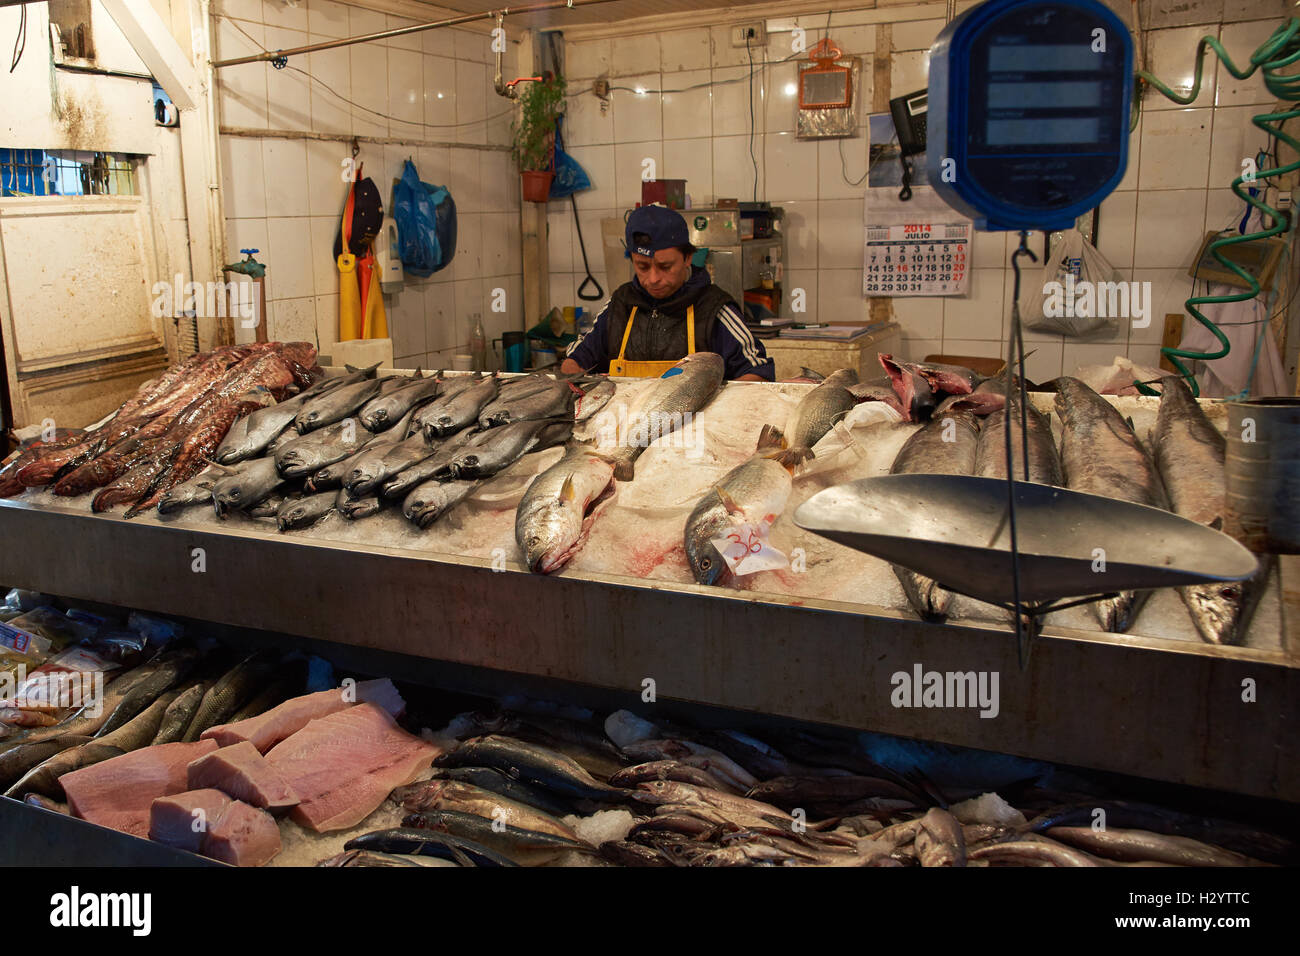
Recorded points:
746,550
917,258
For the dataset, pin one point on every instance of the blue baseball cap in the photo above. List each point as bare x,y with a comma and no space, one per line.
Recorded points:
652,228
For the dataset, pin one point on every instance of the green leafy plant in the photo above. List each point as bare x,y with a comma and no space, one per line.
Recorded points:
534,130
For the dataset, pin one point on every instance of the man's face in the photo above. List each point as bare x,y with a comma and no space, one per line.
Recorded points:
663,273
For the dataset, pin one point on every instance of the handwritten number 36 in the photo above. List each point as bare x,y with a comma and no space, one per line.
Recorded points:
752,546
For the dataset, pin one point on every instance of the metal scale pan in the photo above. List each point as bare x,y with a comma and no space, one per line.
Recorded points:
953,528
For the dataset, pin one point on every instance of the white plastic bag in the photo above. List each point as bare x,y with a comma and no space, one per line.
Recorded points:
1071,294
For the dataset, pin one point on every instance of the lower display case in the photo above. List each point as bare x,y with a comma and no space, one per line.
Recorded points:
1194,714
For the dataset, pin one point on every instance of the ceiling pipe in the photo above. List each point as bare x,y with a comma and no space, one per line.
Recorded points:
274,56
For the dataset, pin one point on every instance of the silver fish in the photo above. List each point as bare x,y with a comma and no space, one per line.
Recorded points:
1101,455
990,450
488,452
940,841
380,463
549,400
467,798
252,435
1190,453
1131,846
306,511
593,399
430,500
928,452
818,411
335,405
664,407
252,483
386,410
196,491
331,476
558,508
754,493
354,509
449,414
255,433
310,453
436,467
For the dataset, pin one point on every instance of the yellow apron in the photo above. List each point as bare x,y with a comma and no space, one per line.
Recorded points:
628,369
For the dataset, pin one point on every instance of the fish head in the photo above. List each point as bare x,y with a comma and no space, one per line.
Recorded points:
227,499
425,795
661,791
706,523
1217,609
424,508
550,537
292,518
375,419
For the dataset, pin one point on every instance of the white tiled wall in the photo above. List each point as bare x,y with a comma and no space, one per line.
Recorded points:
284,196
1176,188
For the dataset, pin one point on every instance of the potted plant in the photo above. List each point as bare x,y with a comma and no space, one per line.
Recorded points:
534,135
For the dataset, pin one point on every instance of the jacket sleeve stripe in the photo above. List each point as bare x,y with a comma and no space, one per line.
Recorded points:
732,322
582,338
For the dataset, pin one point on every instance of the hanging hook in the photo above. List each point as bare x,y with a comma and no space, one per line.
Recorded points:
356,147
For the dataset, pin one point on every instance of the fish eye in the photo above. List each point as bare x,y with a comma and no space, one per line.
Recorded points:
706,563
234,492
534,541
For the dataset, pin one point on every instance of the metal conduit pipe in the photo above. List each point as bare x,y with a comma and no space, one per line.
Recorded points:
272,55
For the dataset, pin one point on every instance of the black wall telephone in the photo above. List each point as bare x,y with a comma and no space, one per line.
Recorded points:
909,113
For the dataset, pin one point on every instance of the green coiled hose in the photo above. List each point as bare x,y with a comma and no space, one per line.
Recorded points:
1279,51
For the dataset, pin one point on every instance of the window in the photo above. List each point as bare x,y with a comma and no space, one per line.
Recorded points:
70,28
43,172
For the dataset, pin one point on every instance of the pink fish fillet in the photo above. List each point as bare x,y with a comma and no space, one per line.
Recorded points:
118,792
182,819
239,771
343,766
209,822
266,730
242,836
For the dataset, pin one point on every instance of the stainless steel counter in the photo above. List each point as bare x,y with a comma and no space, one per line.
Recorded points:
1164,709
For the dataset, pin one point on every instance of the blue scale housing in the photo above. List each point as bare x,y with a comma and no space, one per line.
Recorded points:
1033,117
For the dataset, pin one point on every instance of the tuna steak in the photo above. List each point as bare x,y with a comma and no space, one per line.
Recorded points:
210,823
241,772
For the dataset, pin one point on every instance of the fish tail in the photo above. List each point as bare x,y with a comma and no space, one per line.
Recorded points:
771,438
792,458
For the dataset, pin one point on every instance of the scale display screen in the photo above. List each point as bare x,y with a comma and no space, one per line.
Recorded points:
1029,111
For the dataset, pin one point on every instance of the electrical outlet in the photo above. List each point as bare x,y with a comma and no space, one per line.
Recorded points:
600,88
755,32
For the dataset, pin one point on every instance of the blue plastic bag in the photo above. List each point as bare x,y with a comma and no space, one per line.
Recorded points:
426,223
569,176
